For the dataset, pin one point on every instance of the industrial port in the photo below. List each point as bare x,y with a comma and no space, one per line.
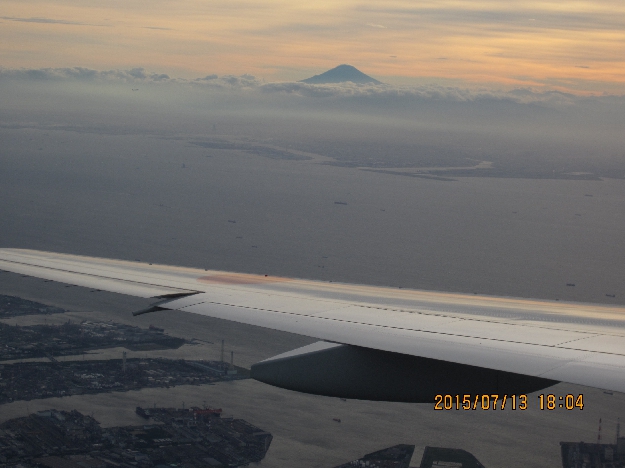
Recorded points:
11,306
585,455
69,338
33,380
191,437
194,437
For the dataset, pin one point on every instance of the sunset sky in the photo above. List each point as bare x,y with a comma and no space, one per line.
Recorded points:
576,46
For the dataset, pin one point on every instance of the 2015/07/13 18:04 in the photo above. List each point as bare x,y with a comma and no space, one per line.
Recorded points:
515,402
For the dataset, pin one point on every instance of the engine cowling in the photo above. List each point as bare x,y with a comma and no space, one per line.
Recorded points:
345,371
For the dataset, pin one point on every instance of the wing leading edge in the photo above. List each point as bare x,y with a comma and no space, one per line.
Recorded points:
554,341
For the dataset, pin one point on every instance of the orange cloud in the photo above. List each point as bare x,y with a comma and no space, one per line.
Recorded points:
577,46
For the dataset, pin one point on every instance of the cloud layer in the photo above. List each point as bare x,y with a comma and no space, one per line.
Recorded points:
44,21
576,48
246,82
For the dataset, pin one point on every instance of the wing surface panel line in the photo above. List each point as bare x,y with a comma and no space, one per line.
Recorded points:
450,315
453,319
580,339
416,330
568,362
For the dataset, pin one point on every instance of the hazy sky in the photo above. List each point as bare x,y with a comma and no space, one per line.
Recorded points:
576,46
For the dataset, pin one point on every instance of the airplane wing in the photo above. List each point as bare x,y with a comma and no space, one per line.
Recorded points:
376,343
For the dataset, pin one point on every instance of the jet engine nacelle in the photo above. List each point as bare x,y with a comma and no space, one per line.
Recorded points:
345,371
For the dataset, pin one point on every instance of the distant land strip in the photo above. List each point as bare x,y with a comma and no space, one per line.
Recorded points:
410,174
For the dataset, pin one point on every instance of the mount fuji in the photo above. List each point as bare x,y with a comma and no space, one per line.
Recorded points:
342,74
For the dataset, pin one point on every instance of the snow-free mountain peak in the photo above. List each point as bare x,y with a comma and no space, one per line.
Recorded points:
342,74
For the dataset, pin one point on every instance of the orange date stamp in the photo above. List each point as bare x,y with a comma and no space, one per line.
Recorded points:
468,402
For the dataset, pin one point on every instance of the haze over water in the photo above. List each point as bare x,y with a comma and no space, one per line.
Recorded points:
175,201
